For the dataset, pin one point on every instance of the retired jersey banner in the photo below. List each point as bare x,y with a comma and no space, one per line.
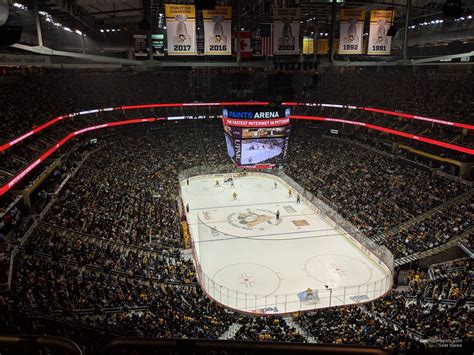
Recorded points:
181,29
323,46
308,45
351,31
218,31
379,42
286,31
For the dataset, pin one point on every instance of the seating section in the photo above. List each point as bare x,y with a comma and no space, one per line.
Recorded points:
105,255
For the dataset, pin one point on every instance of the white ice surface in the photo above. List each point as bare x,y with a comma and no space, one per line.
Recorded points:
250,261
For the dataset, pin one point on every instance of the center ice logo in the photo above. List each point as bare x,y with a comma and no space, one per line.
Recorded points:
250,219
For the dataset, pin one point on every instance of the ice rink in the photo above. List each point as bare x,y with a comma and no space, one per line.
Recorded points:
251,261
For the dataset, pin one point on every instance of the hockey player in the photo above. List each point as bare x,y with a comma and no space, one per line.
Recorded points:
217,183
275,185
290,194
278,215
234,196
298,200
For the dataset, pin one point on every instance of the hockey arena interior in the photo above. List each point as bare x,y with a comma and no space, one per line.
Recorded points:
236,177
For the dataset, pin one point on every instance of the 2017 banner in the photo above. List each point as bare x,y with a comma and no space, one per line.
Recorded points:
351,31
181,29
379,42
218,31
286,31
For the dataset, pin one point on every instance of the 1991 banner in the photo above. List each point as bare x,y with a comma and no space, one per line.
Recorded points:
181,29
379,42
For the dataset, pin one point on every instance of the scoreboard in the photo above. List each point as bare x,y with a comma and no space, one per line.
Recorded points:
257,137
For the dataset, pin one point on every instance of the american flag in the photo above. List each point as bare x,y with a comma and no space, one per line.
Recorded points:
267,38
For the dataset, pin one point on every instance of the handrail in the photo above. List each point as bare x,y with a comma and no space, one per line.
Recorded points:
185,346
31,342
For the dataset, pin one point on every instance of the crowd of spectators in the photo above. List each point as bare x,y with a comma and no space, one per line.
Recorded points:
273,328
376,193
50,287
129,193
433,231
108,255
446,281
353,325
111,256
432,309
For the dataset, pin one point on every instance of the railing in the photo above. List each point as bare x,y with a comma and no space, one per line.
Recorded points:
199,346
290,302
30,344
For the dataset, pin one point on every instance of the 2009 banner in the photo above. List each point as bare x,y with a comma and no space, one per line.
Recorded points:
218,31
181,29
286,31
351,31
379,42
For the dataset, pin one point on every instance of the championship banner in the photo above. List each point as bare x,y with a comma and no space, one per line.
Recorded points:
286,31
351,31
308,45
323,46
181,29
379,42
218,31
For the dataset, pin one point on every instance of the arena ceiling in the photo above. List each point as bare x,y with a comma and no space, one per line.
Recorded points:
92,15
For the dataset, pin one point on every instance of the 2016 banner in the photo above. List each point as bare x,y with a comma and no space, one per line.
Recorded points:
379,42
218,31
286,31
351,31
181,29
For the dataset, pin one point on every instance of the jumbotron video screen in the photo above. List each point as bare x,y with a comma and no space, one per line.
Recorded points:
257,137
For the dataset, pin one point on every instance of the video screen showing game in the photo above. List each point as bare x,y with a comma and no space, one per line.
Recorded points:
256,151
257,137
